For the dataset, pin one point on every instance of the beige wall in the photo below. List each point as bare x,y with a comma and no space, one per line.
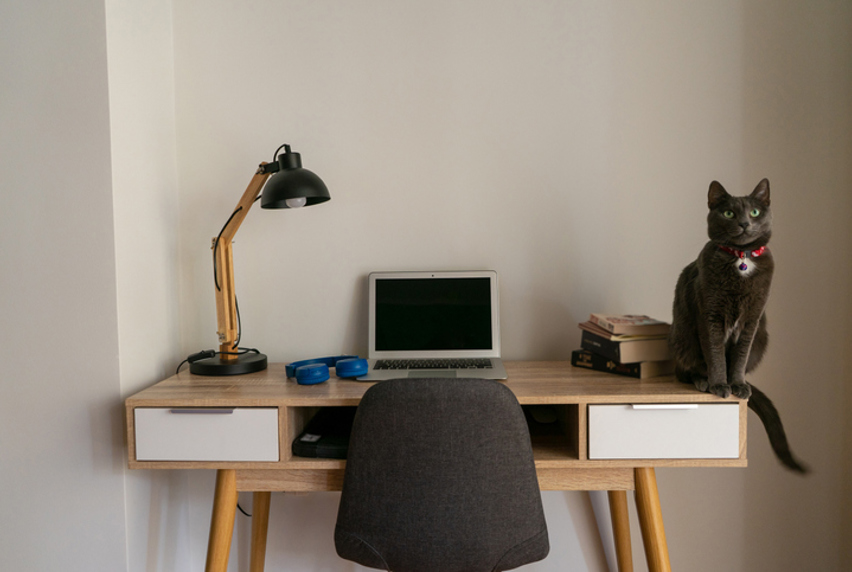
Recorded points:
144,182
61,438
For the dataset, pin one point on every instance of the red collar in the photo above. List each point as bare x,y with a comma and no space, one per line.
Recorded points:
744,253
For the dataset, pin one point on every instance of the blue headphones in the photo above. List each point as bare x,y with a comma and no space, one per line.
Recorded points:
313,371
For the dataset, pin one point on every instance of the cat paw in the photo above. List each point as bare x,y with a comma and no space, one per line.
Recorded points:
741,390
720,389
701,384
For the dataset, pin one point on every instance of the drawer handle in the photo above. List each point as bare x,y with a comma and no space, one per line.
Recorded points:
204,410
660,406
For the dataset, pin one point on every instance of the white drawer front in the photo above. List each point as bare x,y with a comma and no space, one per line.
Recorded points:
202,434
664,431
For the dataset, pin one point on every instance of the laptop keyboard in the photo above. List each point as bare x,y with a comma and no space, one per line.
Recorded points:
463,363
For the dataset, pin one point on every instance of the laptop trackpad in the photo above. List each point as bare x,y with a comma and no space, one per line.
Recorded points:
432,373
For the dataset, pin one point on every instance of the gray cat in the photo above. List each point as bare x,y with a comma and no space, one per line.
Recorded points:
718,332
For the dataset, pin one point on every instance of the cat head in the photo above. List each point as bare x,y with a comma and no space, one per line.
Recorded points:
739,221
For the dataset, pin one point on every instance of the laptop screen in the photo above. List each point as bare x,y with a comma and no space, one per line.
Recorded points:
434,314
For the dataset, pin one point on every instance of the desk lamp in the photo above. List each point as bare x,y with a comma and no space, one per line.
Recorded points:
290,187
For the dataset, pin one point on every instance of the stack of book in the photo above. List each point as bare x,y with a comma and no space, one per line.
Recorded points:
636,346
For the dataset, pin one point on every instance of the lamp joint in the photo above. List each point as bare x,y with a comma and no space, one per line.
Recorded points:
267,168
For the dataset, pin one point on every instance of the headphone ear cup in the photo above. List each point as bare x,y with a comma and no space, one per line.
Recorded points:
355,367
312,374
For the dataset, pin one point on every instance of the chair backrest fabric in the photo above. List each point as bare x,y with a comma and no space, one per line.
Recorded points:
440,477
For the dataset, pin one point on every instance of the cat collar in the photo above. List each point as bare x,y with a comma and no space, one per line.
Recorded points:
744,254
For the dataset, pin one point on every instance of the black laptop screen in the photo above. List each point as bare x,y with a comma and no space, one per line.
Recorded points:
433,314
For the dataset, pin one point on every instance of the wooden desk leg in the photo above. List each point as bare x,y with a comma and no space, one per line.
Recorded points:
222,521
621,530
651,520
259,527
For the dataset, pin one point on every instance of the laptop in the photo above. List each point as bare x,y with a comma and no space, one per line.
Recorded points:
434,324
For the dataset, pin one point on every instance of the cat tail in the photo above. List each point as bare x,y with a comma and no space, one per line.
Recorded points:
760,404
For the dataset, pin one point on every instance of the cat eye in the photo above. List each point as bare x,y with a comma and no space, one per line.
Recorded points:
754,213
730,214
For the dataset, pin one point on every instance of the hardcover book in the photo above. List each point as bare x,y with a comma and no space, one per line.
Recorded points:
606,334
630,324
640,370
629,351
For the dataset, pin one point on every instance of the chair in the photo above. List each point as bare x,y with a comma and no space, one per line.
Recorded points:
440,478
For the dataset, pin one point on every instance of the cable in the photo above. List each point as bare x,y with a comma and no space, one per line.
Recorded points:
239,323
241,351
286,148
216,247
206,354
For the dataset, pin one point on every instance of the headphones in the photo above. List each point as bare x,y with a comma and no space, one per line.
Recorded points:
313,371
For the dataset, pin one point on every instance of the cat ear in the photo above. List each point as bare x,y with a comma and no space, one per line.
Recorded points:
716,194
761,192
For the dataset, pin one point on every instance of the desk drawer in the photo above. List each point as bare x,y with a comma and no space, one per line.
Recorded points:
664,431
206,434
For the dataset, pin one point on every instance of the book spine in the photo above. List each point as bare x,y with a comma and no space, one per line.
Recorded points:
591,360
627,351
602,323
600,346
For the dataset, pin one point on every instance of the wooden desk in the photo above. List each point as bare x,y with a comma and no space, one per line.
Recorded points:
267,408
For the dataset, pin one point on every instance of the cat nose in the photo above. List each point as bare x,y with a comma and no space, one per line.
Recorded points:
744,225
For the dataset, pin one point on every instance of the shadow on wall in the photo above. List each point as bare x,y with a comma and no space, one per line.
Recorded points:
790,112
355,338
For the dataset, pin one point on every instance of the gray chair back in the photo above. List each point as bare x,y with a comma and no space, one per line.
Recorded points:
440,477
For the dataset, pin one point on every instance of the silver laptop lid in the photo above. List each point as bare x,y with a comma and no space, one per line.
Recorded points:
447,314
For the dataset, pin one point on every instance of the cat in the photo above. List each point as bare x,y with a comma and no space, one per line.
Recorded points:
718,332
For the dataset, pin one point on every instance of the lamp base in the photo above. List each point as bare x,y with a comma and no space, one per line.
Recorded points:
217,366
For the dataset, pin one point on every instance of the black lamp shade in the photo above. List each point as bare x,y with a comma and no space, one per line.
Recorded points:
292,182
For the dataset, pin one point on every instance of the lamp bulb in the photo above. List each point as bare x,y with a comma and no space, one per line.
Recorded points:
296,203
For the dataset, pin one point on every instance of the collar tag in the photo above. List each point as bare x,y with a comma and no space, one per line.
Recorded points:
744,254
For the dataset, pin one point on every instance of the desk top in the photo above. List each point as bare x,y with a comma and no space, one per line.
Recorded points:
532,382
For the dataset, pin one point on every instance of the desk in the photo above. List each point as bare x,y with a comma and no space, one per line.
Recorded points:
248,423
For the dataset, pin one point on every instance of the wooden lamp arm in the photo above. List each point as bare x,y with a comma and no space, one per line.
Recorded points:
226,305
